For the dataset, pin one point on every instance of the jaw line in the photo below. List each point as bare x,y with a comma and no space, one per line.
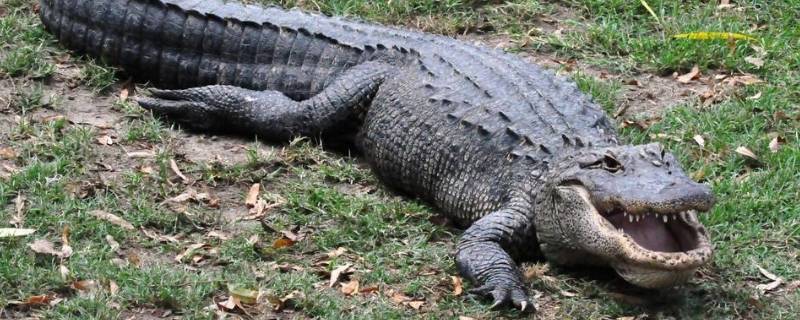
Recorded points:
628,253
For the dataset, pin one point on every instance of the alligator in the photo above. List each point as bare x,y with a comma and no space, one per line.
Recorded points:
526,162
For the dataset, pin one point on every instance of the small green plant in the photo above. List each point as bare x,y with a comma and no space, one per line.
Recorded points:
98,77
29,99
27,60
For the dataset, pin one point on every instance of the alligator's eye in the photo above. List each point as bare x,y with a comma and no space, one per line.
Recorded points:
611,164
607,162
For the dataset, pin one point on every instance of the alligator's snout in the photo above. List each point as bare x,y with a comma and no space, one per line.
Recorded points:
667,199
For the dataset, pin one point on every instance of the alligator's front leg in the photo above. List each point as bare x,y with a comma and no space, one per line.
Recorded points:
482,259
270,114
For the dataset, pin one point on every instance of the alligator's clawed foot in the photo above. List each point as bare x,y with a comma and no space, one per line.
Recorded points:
188,107
505,295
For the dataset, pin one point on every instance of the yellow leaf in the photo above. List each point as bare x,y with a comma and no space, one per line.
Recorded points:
650,10
714,36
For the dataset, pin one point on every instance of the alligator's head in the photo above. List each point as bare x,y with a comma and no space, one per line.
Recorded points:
628,207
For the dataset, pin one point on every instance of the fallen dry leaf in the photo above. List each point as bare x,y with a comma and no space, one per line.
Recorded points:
370,289
175,169
141,154
189,250
758,62
7,153
283,242
230,305
219,235
128,88
398,297
187,195
766,287
246,296
775,144
123,94
64,271
44,247
700,141
113,288
66,249
291,235
105,140
112,243
146,170
742,150
113,219
335,253
84,285
33,301
767,274
252,195
279,303
458,288
338,273
568,294
792,286
159,237
688,77
14,232
19,211
755,96
747,79
350,288
416,304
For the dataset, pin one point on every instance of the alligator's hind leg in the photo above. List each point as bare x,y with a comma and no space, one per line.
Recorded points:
270,114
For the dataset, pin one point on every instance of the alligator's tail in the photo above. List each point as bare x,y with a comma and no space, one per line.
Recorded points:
163,42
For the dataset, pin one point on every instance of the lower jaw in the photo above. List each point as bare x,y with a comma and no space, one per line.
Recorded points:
654,278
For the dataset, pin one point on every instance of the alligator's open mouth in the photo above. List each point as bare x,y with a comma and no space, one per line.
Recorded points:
660,232
653,246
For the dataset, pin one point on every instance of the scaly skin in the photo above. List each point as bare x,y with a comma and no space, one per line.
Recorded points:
522,157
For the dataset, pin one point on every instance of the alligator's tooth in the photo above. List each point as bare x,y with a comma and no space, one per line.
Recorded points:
630,218
666,219
624,213
674,217
637,218
656,215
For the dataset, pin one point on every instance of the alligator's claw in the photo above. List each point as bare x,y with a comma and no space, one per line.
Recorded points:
183,106
504,295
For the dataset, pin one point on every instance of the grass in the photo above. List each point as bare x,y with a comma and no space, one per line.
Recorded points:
62,174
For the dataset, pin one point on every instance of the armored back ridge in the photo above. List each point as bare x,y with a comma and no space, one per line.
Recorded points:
521,156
